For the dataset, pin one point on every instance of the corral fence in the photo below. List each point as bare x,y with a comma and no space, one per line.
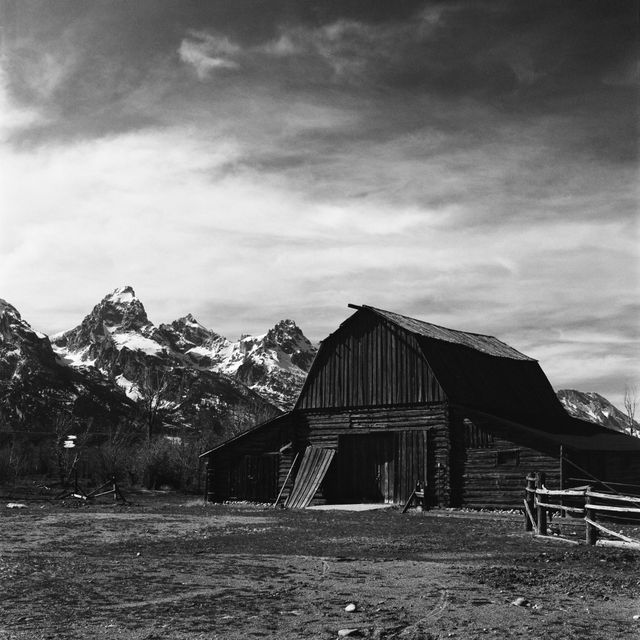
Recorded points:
591,505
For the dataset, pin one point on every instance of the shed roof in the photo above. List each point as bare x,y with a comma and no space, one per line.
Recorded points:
271,423
570,432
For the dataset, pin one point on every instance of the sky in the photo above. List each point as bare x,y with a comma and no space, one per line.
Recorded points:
471,163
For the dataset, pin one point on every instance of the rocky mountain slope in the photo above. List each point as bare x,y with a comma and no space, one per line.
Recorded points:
36,390
274,364
148,363
596,408
118,338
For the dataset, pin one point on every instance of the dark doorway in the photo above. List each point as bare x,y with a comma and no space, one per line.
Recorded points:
378,467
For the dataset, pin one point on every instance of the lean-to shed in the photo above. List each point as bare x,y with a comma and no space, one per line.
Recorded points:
391,401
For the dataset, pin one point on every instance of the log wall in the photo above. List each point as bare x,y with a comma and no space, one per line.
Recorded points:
252,467
489,465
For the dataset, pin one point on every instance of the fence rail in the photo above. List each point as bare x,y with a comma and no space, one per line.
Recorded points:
540,503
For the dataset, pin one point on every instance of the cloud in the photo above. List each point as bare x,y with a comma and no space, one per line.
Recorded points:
12,116
206,53
472,164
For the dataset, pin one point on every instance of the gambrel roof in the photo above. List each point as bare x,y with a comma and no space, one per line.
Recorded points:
475,370
483,343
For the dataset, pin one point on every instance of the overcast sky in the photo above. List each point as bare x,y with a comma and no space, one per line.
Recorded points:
473,164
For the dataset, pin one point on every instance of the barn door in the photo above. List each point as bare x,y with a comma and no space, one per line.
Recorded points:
363,469
411,464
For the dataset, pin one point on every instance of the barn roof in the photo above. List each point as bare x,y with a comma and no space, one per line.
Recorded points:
479,370
570,432
268,424
486,344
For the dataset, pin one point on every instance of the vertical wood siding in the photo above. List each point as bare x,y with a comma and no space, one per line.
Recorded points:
369,363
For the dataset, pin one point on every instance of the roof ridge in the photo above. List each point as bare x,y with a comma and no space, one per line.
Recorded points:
433,324
482,342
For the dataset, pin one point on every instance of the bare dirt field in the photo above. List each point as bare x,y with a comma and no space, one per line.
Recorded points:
170,567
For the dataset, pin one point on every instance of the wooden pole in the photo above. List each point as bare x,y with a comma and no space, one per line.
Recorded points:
206,481
591,533
542,511
563,513
284,484
530,502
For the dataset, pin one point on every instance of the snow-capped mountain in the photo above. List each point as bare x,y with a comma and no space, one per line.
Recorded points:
118,338
596,408
36,389
148,363
274,364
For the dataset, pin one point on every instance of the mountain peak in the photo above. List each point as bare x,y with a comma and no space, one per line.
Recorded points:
591,406
118,313
120,309
9,309
289,337
186,333
122,295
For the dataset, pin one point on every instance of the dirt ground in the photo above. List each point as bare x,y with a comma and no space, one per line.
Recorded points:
170,567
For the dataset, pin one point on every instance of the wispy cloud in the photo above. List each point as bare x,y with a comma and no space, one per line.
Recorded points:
207,52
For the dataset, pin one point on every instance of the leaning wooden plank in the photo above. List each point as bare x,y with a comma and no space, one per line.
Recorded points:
301,478
408,503
320,466
314,466
597,525
284,484
529,514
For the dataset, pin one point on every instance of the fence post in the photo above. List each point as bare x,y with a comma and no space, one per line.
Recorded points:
530,499
542,511
206,481
591,533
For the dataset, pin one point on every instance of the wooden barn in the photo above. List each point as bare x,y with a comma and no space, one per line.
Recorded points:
391,401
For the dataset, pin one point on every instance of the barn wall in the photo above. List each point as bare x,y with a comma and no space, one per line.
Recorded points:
406,453
366,363
607,466
489,464
252,467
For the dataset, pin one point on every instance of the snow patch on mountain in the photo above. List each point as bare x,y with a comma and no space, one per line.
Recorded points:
131,389
136,342
123,295
79,358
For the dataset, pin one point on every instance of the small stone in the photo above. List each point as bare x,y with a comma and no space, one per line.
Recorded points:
520,602
636,617
343,633
351,607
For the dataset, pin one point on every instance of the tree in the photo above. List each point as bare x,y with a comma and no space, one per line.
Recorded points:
67,457
630,404
159,401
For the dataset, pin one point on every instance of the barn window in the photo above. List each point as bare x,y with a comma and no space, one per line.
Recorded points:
476,437
508,457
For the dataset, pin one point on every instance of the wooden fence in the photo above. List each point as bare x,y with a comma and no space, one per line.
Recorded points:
592,507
